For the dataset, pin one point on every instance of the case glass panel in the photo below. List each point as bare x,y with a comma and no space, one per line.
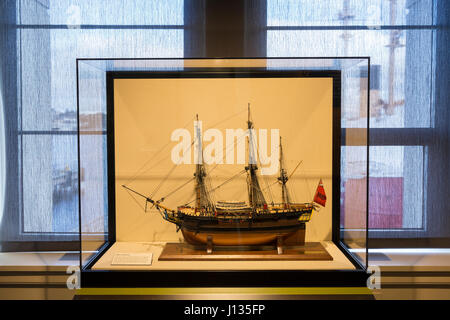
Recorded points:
155,106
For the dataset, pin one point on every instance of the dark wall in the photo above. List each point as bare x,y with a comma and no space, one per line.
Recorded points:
225,28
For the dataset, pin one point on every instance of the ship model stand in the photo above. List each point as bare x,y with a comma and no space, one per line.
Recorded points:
235,230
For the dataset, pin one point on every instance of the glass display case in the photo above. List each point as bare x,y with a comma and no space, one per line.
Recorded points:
223,172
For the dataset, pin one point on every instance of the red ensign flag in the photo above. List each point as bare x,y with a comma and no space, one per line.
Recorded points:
320,196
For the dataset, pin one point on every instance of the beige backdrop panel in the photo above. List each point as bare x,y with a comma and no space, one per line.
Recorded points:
147,111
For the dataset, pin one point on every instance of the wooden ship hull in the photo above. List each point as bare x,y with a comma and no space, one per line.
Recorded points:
263,230
240,237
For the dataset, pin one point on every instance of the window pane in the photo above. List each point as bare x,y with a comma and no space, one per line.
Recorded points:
50,175
100,12
49,69
48,49
400,95
65,183
398,38
401,58
94,184
348,12
37,184
51,35
396,192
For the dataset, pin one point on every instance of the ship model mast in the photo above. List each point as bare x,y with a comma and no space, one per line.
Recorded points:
203,202
255,195
283,178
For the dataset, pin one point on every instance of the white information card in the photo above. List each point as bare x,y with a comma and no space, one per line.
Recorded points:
132,259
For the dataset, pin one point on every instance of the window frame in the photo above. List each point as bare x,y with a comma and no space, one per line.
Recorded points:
254,27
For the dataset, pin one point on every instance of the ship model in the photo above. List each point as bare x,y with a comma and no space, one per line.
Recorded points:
238,223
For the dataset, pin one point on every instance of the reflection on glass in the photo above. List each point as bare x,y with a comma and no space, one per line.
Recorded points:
65,184
396,197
